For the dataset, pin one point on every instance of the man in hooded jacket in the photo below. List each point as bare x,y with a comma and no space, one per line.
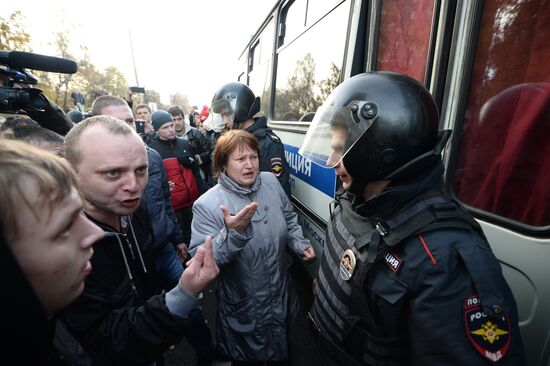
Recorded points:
120,319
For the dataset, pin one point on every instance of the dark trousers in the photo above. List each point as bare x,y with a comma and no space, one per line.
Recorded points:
198,335
268,363
196,330
185,216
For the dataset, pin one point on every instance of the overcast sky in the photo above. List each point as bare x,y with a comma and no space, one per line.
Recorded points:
182,46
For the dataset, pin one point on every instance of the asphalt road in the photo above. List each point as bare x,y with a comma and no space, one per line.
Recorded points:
303,350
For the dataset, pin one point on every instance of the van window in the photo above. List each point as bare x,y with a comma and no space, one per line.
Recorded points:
309,67
293,21
317,9
259,77
405,29
503,162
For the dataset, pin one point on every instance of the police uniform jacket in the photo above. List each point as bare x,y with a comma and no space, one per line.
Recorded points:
438,297
255,299
272,152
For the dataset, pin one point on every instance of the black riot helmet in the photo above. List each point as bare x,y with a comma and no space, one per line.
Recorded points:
235,101
382,125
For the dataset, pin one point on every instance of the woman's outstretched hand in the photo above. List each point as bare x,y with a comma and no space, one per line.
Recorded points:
241,219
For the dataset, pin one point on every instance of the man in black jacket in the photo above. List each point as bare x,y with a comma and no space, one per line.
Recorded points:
168,238
236,104
119,319
199,143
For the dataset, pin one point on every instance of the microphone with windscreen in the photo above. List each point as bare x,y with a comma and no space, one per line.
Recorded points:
34,61
14,96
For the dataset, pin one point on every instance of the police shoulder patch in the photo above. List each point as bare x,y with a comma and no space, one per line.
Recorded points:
277,166
392,261
490,336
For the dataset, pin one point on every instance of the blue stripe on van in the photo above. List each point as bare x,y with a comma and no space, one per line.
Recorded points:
321,178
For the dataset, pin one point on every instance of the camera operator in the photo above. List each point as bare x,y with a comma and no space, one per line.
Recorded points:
17,95
51,117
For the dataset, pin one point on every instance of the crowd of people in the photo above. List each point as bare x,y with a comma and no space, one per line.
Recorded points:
130,197
112,226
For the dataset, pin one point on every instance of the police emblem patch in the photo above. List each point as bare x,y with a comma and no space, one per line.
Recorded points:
490,336
277,166
347,264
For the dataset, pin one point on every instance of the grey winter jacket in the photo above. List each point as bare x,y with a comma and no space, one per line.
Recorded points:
256,300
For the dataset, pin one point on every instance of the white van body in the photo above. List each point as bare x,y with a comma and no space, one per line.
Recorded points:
485,63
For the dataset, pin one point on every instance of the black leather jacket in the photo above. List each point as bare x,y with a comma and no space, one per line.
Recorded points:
118,319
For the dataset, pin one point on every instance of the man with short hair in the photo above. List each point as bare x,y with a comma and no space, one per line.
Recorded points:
200,146
166,227
181,168
156,197
118,319
143,113
6,129
180,124
40,137
44,258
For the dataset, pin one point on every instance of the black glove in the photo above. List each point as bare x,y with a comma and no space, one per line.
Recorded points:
187,161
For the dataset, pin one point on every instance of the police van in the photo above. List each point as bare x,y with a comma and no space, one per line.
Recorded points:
487,65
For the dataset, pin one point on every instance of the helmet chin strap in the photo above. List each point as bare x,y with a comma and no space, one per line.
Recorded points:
416,163
358,186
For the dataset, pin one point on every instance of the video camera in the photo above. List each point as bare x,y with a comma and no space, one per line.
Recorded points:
12,71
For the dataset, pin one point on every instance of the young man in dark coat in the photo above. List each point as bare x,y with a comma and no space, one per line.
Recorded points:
200,145
45,248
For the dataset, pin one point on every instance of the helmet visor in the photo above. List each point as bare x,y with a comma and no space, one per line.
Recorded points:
332,133
224,110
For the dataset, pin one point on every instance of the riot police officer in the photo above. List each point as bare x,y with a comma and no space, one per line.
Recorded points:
407,276
236,104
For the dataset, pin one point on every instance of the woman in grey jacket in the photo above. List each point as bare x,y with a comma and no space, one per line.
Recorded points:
252,222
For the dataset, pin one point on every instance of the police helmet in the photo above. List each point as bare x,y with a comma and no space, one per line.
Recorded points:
235,101
382,125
